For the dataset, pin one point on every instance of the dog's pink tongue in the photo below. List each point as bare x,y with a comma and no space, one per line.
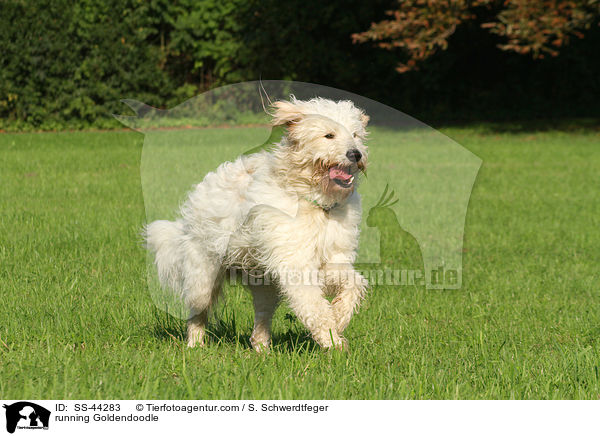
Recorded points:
337,173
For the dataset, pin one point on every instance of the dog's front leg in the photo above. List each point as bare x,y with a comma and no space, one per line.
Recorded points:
265,299
306,299
350,288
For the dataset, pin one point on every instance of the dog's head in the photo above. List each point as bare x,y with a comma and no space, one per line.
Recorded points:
324,148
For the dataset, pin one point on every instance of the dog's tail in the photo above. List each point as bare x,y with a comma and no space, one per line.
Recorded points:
165,240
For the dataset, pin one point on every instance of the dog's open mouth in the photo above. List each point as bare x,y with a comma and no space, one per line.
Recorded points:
341,176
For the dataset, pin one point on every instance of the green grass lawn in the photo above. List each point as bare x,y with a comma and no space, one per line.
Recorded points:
77,320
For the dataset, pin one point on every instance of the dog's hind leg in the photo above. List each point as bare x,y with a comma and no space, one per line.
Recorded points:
196,325
203,285
196,328
265,299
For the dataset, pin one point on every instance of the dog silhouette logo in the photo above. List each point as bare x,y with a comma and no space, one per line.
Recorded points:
415,227
26,415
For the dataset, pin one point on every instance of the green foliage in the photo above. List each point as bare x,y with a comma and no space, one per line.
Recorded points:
207,34
69,63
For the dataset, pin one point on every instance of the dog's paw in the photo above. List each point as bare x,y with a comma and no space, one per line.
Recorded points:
261,348
260,345
339,343
195,341
342,344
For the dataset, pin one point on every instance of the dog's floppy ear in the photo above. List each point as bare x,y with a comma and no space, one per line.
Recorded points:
364,119
286,113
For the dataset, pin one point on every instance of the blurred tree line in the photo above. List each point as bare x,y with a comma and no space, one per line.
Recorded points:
68,63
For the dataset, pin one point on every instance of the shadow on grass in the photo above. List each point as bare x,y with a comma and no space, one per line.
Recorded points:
295,339
225,330
167,327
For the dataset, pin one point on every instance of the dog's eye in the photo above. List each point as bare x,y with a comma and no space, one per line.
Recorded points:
354,135
330,136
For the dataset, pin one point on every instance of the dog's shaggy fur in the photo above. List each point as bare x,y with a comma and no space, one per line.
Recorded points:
288,212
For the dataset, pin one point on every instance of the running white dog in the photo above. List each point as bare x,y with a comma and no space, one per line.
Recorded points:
292,213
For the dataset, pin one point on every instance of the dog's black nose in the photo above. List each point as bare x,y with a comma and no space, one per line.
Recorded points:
354,155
